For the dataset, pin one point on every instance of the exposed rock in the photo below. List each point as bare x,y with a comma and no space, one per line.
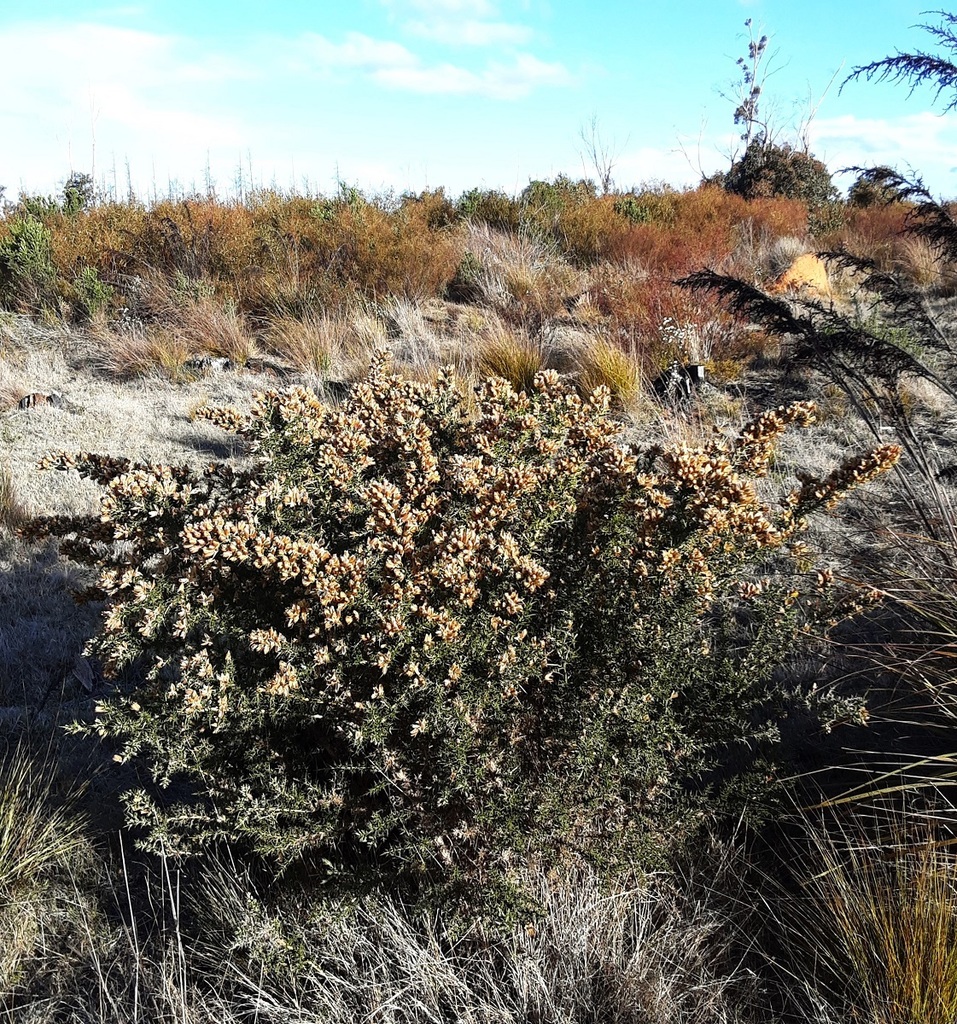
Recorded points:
208,363
37,398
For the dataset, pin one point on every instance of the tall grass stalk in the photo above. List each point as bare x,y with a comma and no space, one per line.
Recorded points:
38,832
881,923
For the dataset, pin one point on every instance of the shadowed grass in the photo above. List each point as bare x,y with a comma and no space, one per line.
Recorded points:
880,918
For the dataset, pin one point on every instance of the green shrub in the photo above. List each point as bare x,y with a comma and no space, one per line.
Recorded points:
27,274
94,296
543,202
424,647
767,170
488,206
648,208
38,207
79,193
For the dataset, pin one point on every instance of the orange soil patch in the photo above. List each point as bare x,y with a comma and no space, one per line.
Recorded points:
806,273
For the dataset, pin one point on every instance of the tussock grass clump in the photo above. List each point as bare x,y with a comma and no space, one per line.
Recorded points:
12,513
602,364
43,843
878,919
640,954
328,345
522,276
423,649
37,834
140,351
511,356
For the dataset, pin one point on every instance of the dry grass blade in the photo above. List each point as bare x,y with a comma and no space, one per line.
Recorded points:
604,364
142,351
637,955
328,345
37,833
12,513
215,329
512,356
883,923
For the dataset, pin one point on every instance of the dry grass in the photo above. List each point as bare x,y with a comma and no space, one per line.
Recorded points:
417,344
636,955
12,513
882,920
521,276
504,352
603,364
328,346
42,843
39,833
140,351
919,262
215,329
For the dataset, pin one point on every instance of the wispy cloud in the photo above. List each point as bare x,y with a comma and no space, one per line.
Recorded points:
172,104
921,140
475,8
356,51
103,88
503,81
471,32
459,22
392,65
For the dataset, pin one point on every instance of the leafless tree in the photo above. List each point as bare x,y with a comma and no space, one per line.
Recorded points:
598,155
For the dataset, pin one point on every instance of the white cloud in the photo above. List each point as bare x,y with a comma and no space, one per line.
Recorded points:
476,8
459,22
498,81
170,104
106,89
394,66
924,142
356,51
471,32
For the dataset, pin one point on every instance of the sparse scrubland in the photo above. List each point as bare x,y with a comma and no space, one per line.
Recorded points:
384,638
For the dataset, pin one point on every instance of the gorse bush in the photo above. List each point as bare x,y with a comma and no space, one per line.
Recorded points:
423,646
489,206
27,274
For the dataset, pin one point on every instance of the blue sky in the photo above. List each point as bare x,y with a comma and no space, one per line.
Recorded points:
409,94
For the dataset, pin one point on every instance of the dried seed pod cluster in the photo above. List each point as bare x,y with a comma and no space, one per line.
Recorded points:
431,635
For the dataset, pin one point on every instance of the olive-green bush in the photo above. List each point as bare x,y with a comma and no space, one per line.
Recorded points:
27,274
437,634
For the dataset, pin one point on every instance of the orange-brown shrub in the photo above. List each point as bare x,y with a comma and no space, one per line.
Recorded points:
583,230
656,321
702,230
103,237
874,232
411,251
203,239
778,215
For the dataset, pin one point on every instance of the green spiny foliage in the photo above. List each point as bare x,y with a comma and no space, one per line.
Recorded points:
424,646
488,206
94,296
27,274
